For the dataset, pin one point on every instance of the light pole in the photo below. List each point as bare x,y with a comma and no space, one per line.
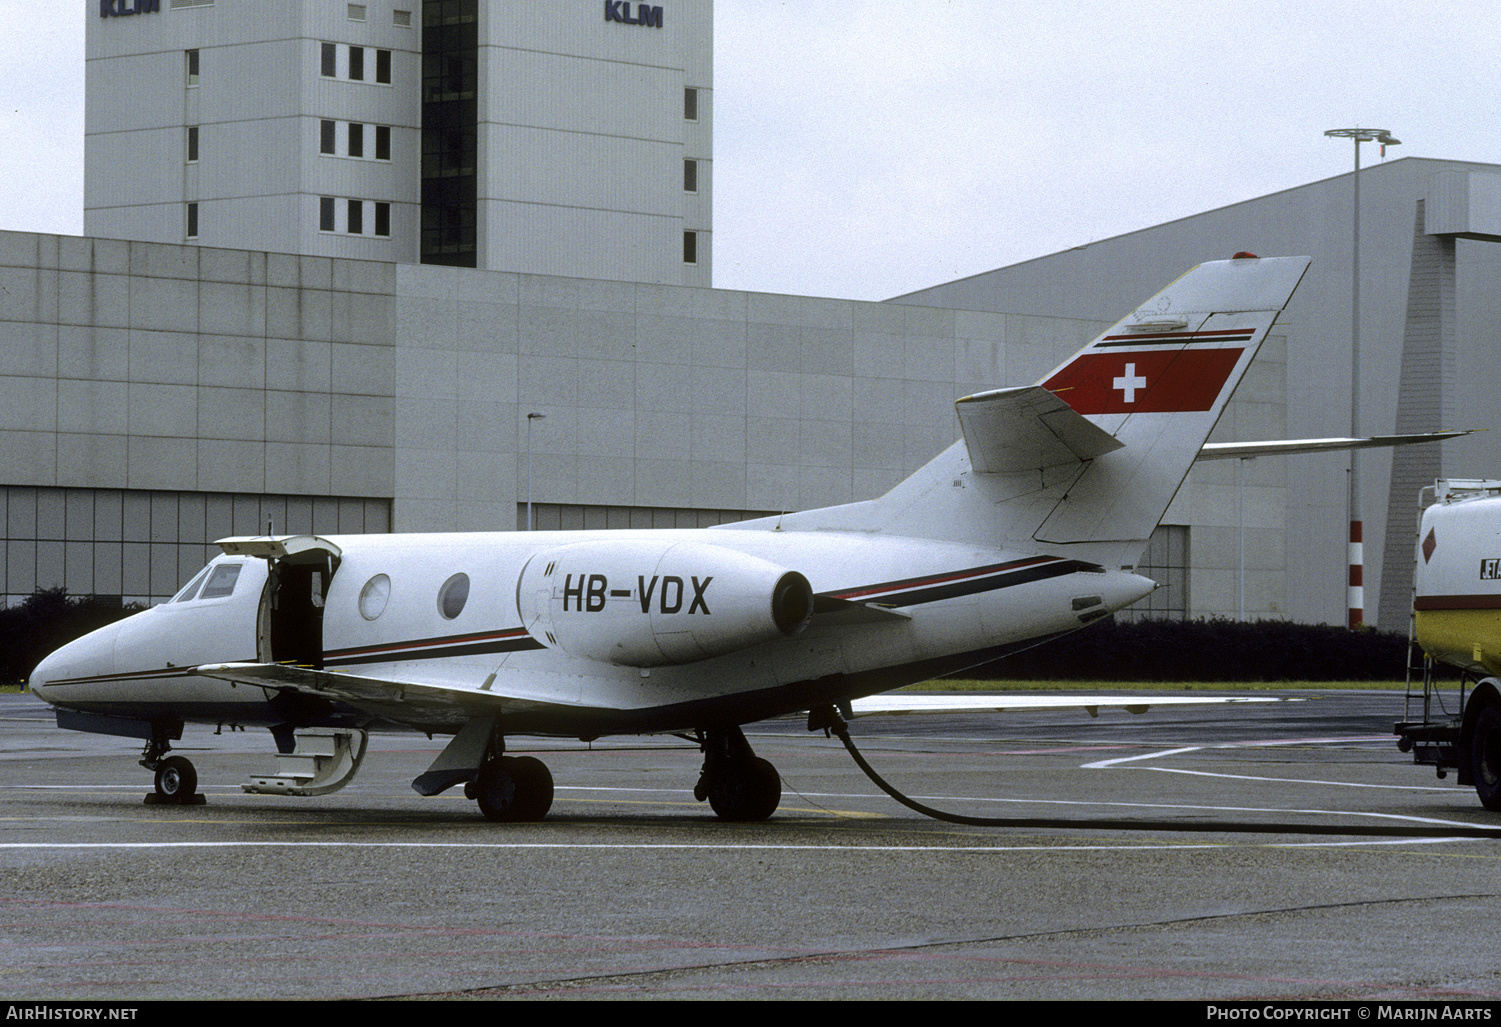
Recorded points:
1356,588
533,416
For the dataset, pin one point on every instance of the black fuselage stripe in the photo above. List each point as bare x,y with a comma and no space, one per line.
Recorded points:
972,582
432,652
968,586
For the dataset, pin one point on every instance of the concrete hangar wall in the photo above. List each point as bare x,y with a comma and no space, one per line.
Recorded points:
154,397
1430,329
270,350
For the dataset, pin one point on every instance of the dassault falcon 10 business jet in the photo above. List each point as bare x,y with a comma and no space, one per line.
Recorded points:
1027,528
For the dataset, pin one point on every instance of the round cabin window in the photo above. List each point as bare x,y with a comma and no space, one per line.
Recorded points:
374,596
453,595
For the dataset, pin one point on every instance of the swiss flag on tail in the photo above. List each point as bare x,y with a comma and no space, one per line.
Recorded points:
1143,381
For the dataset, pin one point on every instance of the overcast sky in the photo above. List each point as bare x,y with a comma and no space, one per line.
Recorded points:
863,150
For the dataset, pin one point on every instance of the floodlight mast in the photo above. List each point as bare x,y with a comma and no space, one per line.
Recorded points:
1356,587
533,416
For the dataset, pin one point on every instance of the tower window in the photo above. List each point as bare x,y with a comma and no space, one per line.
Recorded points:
383,67
690,247
192,144
357,64
383,219
192,221
356,217
192,56
690,104
325,214
326,137
690,176
330,60
356,140
382,142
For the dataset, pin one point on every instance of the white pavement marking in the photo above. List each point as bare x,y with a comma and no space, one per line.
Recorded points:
1301,780
1106,764
1102,764
638,846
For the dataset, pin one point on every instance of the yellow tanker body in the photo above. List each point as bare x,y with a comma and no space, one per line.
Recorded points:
1457,622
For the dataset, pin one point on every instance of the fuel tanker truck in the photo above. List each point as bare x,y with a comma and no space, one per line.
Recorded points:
1457,624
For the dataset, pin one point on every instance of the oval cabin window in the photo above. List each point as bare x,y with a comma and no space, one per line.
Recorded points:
374,595
453,595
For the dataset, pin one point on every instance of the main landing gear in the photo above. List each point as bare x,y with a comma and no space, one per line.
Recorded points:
511,789
176,778
740,786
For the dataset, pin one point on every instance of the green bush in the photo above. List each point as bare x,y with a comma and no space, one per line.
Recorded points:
1209,650
50,618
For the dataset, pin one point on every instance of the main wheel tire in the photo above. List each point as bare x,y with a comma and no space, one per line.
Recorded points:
533,788
745,790
176,780
514,789
1485,757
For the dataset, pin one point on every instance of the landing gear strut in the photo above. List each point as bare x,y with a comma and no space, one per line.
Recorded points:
740,786
176,779
511,789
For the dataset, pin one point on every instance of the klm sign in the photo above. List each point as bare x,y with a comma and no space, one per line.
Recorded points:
120,8
615,10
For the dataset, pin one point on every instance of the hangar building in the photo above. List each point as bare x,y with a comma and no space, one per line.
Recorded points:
212,358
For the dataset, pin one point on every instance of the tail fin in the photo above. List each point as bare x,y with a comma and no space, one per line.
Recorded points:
1096,451
1157,382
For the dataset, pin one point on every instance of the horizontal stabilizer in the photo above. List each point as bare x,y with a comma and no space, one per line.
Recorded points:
1246,450
1001,702
1026,429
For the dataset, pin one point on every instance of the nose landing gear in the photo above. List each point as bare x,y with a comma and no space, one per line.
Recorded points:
176,778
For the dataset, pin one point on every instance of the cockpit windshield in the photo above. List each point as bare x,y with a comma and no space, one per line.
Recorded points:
189,590
221,583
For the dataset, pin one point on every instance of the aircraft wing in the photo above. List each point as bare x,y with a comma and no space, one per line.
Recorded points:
398,701
414,702
1001,702
1245,450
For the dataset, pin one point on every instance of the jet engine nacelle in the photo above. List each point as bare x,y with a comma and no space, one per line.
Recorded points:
649,603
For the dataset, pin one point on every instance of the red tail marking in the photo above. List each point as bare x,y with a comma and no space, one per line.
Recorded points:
1175,380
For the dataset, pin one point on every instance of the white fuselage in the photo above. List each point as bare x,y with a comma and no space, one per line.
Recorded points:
589,633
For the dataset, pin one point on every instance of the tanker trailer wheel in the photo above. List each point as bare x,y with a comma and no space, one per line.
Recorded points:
1485,757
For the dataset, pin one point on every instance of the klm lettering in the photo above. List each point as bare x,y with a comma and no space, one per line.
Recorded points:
120,8
620,10
593,591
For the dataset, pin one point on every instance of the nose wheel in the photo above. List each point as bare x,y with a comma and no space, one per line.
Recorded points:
176,777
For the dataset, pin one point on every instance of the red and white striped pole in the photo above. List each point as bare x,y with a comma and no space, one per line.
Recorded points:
1356,591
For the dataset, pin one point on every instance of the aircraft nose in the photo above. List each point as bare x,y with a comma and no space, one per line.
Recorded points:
89,656
44,673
